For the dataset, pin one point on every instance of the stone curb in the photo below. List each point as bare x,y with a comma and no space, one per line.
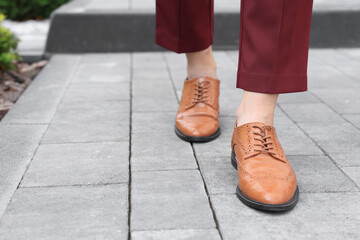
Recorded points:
72,32
24,125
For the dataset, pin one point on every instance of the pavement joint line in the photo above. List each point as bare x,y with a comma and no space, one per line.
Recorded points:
334,110
353,114
339,69
130,142
42,136
323,150
344,72
167,170
112,141
167,229
64,143
194,152
208,194
71,75
75,185
350,166
25,124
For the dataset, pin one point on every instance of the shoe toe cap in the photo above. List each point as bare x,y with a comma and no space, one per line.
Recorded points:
270,191
196,127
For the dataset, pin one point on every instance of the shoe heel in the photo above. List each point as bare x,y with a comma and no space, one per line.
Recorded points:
233,160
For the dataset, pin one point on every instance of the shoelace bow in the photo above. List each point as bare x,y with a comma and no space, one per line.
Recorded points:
264,143
200,93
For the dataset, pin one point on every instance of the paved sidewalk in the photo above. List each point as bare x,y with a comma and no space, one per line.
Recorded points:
89,152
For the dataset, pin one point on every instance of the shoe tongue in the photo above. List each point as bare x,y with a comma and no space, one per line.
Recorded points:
200,79
260,124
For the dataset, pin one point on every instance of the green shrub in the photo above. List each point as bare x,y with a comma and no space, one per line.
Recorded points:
8,45
29,9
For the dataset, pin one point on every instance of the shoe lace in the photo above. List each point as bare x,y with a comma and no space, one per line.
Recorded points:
200,93
263,143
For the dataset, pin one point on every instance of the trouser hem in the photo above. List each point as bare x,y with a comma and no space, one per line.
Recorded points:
271,84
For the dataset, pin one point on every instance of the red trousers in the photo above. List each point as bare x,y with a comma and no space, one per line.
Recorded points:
274,39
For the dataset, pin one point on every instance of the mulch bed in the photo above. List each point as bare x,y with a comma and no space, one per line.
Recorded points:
14,82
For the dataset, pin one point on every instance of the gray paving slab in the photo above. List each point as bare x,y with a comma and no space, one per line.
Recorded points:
153,89
220,147
178,77
281,118
169,200
156,103
314,174
160,152
92,112
153,123
220,176
229,101
77,164
149,60
302,97
317,216
295,142
96,212
87,144
342,60
124,59
320,174
175,61
150,75
353,118
311,112
326,76
103,72
339,140
39,102
181,234
353,173
90,132
97,92
343,100
18,144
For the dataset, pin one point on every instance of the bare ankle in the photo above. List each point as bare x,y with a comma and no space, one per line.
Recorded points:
256,107
201,64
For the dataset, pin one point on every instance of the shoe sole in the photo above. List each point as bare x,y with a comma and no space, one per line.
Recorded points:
264,206
188,138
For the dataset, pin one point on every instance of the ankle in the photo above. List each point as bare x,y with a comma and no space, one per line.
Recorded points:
256,107
243,118
201,64
201,70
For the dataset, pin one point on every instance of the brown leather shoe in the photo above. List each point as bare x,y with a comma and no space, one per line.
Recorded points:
197,119
266,180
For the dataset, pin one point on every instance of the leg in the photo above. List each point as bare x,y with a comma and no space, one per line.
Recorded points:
274,39
186,26
274,42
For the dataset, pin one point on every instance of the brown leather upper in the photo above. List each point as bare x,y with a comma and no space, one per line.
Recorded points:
265,174
198,113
